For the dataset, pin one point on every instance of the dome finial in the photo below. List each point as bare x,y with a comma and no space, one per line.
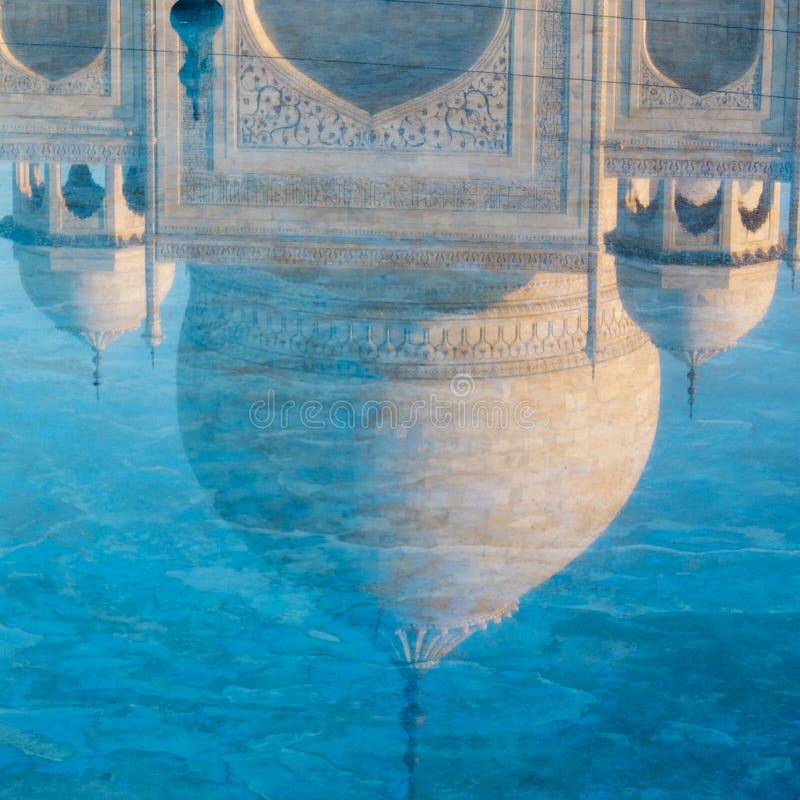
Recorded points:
411,720
692,376
97,360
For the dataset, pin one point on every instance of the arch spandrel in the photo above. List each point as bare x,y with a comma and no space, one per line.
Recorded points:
373,54
701,45
54,40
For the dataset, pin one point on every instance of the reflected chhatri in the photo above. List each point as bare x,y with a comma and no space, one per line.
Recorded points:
432,252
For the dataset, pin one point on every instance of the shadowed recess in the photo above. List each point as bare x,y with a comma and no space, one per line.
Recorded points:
702,45
434,43
82,196
698,218
55,39
134,188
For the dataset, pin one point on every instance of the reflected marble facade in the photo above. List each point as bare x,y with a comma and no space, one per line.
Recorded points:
526,229
353,268
404,250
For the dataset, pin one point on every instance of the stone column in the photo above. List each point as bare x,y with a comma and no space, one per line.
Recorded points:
793,245
597,184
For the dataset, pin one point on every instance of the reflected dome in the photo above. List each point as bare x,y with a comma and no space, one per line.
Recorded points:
443,521
97,294
696,311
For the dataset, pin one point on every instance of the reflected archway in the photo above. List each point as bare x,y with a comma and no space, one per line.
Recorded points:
377,54
54,40
702,45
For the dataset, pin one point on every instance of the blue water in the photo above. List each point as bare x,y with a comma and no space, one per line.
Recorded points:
149,649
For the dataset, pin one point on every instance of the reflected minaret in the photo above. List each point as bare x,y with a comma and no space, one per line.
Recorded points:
697,262
78,237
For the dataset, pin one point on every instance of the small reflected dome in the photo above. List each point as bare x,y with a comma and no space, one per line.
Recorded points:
696,311
98,294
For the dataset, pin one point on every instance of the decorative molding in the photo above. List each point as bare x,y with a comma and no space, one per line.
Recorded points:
77,152
552,100
361,348
482,344
618,244
656,91
93,80
280,109
709,143
346,255
320,191
217,231
655,167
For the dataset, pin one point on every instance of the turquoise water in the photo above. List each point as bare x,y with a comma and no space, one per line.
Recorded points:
152,649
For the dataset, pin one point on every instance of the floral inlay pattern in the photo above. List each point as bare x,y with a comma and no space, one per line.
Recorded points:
469,114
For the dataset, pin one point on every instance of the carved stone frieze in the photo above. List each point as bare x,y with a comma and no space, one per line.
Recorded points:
537,338
552,108
73,152
320,191
657,167
346,255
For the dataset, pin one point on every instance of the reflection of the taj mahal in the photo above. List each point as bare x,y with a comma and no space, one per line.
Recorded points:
397,234
426,293
441,451
397,230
